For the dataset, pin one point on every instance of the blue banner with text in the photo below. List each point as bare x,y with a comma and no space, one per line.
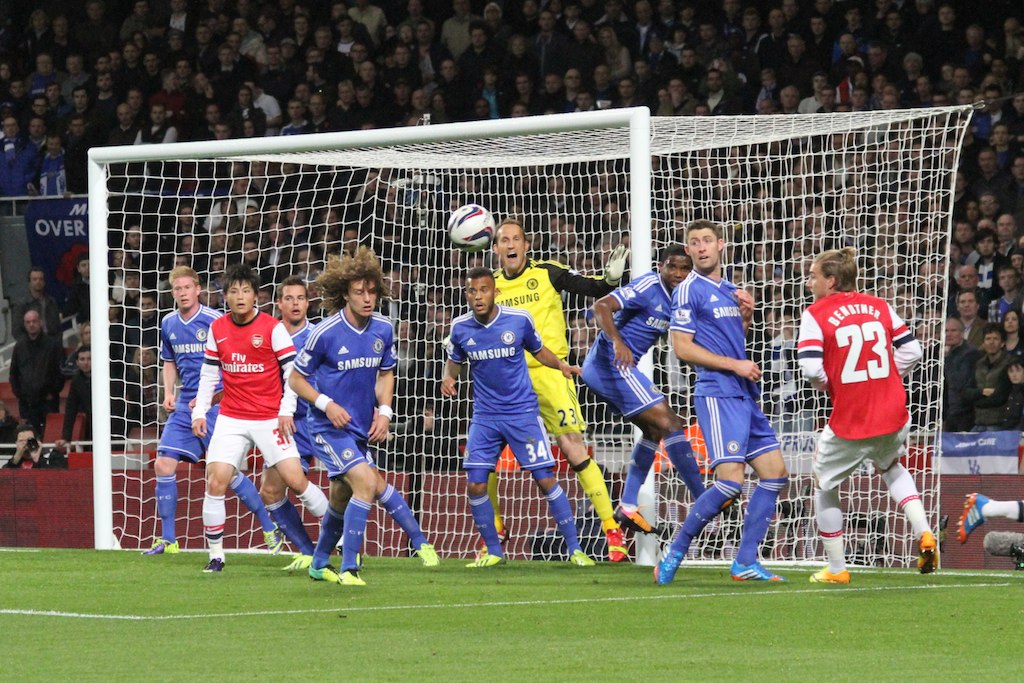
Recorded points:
58,233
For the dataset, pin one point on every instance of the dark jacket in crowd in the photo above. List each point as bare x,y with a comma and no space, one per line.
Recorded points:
35,369
990,411
79,401
958,367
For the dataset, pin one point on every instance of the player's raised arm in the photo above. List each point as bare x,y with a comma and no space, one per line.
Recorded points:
564,279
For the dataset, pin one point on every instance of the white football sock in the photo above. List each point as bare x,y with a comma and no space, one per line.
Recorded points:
1010,509
904,491
314,500
830,527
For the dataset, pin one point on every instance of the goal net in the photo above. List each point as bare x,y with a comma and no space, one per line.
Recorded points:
785,187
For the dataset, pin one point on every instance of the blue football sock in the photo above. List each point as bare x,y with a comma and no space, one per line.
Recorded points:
760,510
562,513
167,505
703,511
331,527
396,506
681,456
356,514
247,493
287,517
483,515
639,465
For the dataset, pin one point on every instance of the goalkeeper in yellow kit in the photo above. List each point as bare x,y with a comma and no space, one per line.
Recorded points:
537,286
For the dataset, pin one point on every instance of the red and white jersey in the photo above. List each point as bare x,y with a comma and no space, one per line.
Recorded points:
251,358
847,340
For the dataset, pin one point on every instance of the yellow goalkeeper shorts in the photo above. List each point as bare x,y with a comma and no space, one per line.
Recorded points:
559,405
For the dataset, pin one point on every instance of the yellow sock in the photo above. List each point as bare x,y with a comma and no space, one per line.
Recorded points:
492,493
594,486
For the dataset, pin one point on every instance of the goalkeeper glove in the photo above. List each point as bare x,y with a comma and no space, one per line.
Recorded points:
616,265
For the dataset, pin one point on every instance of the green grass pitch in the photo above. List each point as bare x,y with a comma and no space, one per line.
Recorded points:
115,616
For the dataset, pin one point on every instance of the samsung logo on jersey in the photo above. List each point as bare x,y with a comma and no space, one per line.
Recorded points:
243,367
657,323
188,348
488,354
852,309
520,300
727,312
361,362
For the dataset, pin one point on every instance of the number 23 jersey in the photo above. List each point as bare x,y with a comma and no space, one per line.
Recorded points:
854,334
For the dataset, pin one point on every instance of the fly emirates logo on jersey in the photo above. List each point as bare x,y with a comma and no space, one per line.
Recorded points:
237,363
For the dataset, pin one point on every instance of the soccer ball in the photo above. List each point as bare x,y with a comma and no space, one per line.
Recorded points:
471,227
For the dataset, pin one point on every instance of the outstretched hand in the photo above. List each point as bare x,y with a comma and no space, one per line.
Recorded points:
615,266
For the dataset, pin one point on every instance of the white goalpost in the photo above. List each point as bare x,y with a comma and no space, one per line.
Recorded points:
785,187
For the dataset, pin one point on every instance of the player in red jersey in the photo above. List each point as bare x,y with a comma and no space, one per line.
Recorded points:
856,347
253,352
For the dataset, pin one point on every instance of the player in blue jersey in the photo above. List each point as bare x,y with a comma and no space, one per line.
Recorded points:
505,409
293,304
632,318
350,357
710,316
183,339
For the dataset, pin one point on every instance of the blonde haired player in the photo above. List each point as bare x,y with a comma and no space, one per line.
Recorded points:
536,287
858,349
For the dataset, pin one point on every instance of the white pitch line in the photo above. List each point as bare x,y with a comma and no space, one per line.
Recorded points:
20,550
508,603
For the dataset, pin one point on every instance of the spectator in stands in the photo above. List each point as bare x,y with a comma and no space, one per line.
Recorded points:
52,178
77,141
455,29
35,371
991,383
28,451
18,166
125,132
70,364
1011,325
958,365
297,123
988,261
78,304
8,430
40,301
96,33
967,310
142,325
79,398
246,110
159,129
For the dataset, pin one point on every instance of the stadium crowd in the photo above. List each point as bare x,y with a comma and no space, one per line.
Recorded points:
73,76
